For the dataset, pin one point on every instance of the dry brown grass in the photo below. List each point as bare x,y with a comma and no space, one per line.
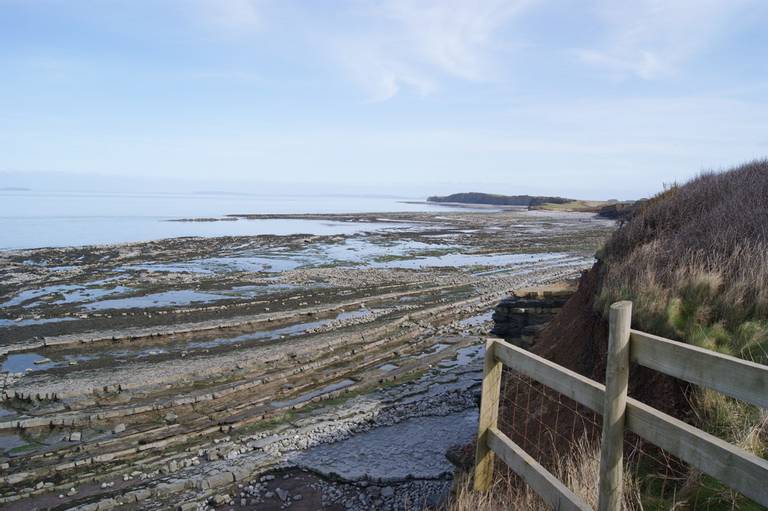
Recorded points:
694,259
579,470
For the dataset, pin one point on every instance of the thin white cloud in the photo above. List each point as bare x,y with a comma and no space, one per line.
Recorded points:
654,38
232,17
416,44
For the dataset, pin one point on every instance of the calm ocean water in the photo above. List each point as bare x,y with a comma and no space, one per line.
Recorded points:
57,219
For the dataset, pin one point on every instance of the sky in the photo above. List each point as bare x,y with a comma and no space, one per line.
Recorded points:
593,99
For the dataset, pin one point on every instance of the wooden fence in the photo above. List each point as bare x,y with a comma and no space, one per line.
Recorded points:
740,379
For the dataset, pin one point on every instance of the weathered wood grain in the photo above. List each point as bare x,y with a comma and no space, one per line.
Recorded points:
610,489
489,414
734,377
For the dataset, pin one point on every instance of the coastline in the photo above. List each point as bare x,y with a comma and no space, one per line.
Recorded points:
222,359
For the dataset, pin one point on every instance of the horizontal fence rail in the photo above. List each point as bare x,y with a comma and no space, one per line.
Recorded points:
732,376
733,466
554,493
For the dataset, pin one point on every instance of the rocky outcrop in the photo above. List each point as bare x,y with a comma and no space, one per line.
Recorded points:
519,318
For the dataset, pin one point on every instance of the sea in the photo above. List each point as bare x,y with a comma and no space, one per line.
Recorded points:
36,219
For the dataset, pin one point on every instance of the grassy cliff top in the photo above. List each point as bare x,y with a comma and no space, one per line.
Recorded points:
694,259
694,262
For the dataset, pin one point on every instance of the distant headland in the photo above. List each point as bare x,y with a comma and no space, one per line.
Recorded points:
612,209
498,200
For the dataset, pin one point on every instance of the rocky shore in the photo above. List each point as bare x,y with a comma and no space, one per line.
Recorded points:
213,372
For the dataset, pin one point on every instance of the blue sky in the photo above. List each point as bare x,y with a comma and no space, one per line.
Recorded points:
578,98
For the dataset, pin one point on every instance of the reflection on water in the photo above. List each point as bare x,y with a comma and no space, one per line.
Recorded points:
164,299
30,294
90,297
399,254
20,362
464,356
477,320
33,362
63,294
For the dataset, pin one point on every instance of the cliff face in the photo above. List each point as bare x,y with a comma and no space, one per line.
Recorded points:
577,338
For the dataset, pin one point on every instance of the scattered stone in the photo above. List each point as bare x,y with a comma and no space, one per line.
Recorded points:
221,500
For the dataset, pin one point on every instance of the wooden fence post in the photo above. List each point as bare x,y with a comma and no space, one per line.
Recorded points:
614,406
489,414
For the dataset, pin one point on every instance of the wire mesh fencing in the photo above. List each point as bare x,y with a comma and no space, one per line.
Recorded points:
564,437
